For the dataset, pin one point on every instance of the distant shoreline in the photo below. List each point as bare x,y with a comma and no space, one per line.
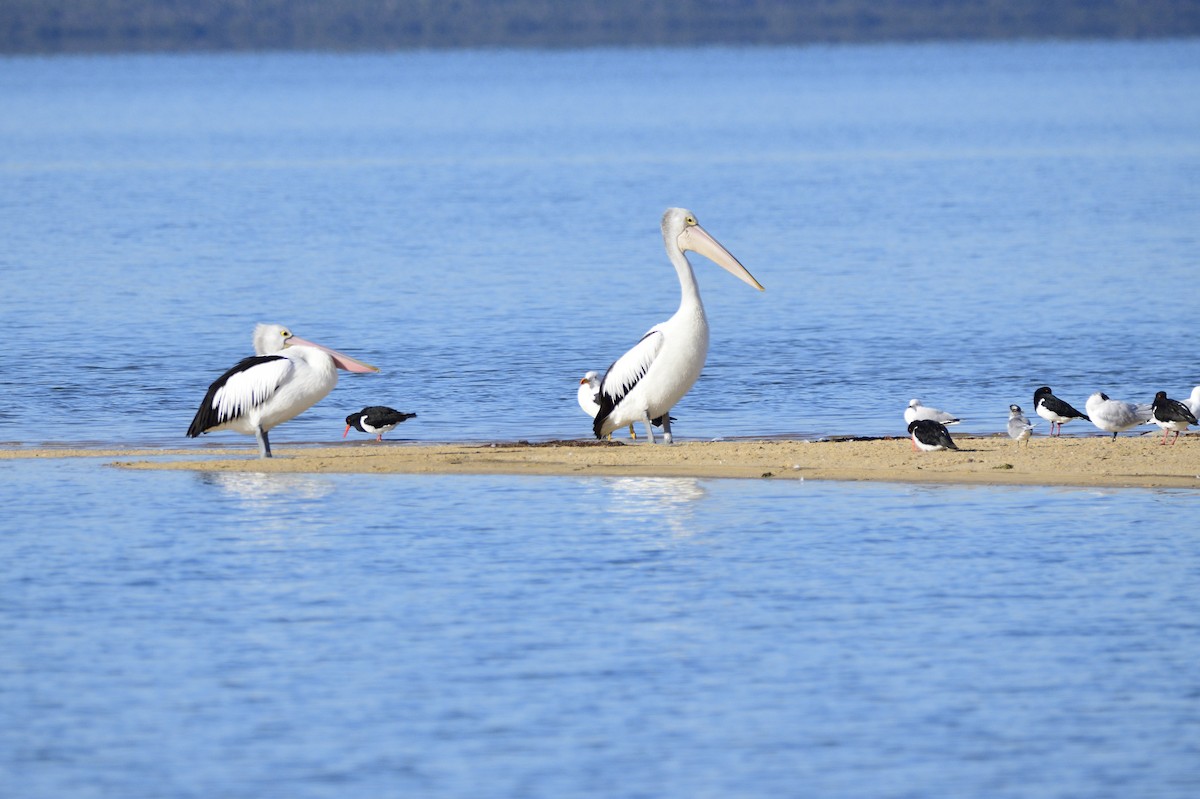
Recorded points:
59,27
1130,461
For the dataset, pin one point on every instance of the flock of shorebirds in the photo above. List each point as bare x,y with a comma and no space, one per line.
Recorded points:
287,375
927,426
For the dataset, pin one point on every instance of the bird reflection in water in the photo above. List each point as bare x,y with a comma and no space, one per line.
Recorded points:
670,499
274,497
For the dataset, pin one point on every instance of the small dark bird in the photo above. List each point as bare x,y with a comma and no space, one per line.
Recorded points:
928,435
1054,410
1170,414
376,420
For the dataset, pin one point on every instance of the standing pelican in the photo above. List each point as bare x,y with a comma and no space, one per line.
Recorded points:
1170,415
1113,416
646,382
287,377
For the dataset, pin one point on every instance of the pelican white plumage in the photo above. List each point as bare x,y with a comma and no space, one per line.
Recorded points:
916,410
1114,416
286,377
646,382
589,386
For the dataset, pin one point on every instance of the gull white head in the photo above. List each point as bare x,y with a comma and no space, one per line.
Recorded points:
682,232
586,395
273,339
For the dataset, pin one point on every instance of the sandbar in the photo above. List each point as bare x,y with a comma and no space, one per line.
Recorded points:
1129,461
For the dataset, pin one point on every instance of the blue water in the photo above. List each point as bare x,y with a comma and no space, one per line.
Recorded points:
960,223
337,636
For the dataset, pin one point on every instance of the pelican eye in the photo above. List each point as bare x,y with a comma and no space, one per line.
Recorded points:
691,220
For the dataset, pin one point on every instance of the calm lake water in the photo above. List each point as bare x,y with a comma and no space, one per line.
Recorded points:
960,223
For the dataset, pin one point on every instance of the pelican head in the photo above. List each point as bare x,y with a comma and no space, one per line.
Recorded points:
270,339
273,339
682,232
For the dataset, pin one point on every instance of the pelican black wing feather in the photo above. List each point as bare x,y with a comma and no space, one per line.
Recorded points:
207,417
607,403
625,373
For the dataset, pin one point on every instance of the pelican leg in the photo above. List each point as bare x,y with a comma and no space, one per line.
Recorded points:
666,420
632,434
264,444
649,426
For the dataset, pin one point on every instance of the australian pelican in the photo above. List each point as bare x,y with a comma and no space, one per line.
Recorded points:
285,377
646,382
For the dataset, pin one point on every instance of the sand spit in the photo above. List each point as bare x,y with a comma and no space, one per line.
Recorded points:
1135,461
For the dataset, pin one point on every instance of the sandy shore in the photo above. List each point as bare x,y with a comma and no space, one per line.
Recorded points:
1094,461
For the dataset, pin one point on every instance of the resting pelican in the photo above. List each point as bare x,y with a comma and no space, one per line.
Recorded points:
646,382
375,420
287,377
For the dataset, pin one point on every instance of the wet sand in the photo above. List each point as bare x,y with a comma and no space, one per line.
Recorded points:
1081,461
